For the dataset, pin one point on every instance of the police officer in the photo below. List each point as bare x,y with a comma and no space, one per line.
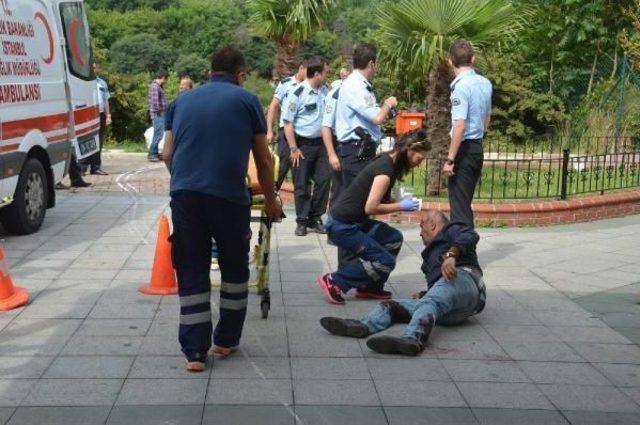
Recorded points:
280,95
329,135
470,118
357,111
302,114
94,162
209,134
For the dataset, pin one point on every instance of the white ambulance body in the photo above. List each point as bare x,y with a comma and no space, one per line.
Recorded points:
48,104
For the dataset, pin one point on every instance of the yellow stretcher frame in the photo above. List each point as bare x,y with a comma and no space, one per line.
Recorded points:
262,250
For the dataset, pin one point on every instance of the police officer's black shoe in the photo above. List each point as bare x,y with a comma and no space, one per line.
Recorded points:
395,345
301,230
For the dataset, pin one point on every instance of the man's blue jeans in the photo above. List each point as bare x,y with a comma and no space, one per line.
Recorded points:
449,302
376,246
158,132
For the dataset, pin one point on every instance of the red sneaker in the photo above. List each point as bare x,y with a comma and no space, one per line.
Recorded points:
330,289
375,294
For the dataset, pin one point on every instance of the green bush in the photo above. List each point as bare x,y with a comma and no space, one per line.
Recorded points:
193,66
138,53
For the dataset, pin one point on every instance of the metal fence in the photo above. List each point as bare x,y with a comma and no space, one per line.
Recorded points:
553,168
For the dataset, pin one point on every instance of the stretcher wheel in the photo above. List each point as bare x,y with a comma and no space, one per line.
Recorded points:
265,306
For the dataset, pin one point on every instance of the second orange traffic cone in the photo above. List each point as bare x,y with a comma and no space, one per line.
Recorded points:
163,277
10,296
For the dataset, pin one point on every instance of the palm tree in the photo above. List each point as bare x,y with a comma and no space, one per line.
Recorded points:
288,23
416,35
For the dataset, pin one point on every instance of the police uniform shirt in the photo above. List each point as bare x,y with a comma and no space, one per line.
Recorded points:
356,107
282,90
471,101
103,93
329,116
336,84
304,108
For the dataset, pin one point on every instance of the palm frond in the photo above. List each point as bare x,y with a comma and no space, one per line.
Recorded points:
292,20
416,33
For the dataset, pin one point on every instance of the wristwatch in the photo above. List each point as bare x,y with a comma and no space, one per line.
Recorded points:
449,254
449,161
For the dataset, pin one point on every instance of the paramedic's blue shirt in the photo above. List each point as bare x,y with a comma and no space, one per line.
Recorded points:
471,101
213,128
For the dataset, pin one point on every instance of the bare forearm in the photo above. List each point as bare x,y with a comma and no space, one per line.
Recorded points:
383,209
107,108
327,138
456,140
290,134
271,113
167,151
382,115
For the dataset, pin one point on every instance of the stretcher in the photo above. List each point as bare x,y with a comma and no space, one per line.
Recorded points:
260,255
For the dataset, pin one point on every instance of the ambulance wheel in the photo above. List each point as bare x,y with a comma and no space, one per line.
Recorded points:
26,213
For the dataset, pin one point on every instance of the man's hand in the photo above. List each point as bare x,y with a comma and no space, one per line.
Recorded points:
274,210
391,102
296,157
447,170
108,121
335,162
270,137
449,268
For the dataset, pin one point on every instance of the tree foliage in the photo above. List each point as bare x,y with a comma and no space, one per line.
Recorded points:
141,53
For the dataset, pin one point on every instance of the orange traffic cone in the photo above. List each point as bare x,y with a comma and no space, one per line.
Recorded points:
10,296
163,277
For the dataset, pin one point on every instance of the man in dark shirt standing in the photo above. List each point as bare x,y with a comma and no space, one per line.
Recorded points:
210,131
455,291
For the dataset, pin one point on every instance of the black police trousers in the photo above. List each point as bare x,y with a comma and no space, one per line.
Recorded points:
284,153
350,167
311,201
462,185
198,217
95,160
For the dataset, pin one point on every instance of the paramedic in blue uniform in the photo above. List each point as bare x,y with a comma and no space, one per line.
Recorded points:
470,118
282,90
357,110
209,134
302,113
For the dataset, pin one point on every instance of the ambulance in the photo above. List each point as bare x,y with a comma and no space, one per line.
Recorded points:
48,104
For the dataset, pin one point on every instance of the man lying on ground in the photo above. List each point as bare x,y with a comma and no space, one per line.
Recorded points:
455,291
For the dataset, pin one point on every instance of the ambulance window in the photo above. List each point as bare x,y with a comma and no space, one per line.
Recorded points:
77,39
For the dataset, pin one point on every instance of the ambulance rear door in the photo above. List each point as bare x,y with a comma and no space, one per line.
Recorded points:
82,86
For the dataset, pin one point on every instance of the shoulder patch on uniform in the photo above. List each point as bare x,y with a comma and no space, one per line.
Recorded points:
292,106
369,87
298,91
336,94
455,102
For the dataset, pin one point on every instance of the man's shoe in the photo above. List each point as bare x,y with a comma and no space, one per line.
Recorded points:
331,291
61,186
99,172
345,327
196,362
80,183
153,158
395,345
373,294
301,230
317,227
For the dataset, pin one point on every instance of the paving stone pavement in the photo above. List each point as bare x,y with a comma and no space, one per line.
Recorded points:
557,343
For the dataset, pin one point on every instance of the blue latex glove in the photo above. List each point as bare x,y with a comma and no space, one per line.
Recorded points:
409,204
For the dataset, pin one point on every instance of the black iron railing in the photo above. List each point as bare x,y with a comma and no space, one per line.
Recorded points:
551,169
